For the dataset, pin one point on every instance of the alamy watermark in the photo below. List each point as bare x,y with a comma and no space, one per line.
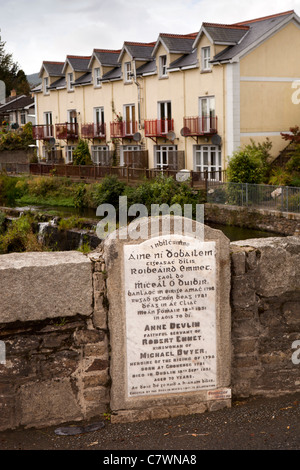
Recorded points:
136,229
296,354
2,92
296,94
2,353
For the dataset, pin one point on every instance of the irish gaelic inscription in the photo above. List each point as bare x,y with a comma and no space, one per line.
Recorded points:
170,291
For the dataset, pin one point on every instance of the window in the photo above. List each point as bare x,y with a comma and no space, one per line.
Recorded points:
97,82
162,154
70,82
165,117
45,86
100,155
207,113
163,66
128,73
72,116
48,153
205,58
69,153
129,118
22,118
99,121
208,157
48,124
128,160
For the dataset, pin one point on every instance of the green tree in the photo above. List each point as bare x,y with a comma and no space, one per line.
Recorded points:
81,155
11,74
250,164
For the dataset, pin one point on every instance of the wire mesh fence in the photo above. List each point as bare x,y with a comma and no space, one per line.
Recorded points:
263,196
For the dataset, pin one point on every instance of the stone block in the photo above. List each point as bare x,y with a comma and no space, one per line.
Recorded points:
36,286
161,291
53,401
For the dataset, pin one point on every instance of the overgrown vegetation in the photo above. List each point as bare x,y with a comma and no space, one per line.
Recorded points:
81,155
63,192
250,164
20,235
253,164
19,139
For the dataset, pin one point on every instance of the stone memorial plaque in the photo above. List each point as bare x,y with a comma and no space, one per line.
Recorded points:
170,292
169,321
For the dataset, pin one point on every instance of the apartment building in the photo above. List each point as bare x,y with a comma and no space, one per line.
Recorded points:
182,101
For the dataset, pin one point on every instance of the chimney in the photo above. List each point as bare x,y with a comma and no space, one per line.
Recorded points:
13,92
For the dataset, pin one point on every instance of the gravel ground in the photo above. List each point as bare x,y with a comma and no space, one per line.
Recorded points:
254,424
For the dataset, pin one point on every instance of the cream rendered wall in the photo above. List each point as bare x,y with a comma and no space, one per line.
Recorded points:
158,89
45,103
266,77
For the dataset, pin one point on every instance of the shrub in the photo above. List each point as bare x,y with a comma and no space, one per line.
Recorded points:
10,189
20,236
79,196
108,191
81,155
251,164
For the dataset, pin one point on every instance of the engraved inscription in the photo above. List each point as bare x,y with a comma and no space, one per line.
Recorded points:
170,295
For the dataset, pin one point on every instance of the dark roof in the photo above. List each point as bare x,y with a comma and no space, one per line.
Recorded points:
114,74
78,63
223,34
148,67
107,57
84,79
257,29
20,102
177,43
187,60
54,69
60,83
139,50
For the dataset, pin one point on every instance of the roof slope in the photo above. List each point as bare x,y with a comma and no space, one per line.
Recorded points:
107,57
20,102
54,69
257,30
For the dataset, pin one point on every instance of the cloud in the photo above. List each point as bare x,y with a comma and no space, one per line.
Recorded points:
49,30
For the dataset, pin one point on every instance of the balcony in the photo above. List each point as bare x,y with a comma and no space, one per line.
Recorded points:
158,127
199,126
43,132
123,129
67,131
93,131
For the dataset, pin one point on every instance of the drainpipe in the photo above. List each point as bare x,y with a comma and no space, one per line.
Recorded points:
139,95
36,123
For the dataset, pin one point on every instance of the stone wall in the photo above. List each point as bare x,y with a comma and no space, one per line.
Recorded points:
265,309
53,325
283,223
53,322
15,156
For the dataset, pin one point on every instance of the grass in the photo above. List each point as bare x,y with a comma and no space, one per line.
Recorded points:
59,201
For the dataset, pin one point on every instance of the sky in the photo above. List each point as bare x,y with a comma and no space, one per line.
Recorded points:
37,30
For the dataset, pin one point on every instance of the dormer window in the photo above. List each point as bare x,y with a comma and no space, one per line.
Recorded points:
45,86
163,66
127,72
97,82
205,58
70,82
